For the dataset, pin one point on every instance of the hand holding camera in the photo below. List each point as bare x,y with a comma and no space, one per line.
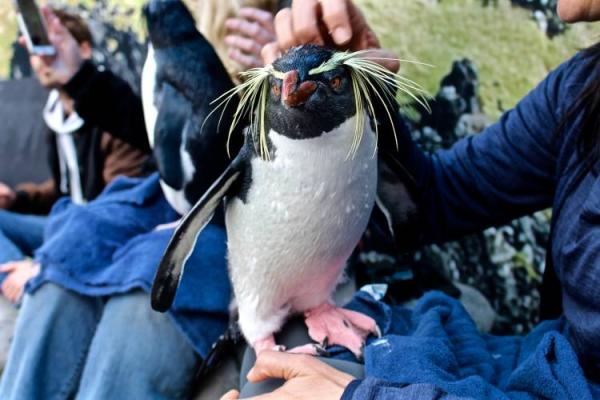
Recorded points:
54,54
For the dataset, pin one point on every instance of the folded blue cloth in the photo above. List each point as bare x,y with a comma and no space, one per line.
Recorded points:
111,246
436,351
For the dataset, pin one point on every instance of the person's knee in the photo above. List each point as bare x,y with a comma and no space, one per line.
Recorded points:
132,337
141,328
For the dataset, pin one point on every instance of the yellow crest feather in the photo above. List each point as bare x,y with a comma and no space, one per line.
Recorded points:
367,77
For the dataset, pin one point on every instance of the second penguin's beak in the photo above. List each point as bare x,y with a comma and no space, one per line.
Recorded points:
294,95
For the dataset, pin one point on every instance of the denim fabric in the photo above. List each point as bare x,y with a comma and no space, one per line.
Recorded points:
72,346
20,236
109,247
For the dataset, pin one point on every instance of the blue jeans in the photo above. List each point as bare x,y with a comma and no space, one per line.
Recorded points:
20,235
69,346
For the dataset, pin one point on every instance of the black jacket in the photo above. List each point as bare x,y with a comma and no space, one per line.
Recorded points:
112,141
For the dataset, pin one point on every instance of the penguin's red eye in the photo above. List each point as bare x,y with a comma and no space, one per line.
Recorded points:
336,82
276,90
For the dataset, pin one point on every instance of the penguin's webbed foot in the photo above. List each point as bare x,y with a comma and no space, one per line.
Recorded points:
330,325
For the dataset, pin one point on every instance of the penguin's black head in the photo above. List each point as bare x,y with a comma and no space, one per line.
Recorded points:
304,104
169,22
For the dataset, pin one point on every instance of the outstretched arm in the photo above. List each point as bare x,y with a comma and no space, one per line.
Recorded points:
100,97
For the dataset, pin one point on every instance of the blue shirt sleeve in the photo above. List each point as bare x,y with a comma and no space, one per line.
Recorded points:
376,389
507,171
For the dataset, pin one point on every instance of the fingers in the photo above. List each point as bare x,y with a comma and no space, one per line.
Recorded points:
270,53
304,22
9,267
253,30
244,44
55,29
11,290
246,60
276,364
262,17
284,30
231,395
337,19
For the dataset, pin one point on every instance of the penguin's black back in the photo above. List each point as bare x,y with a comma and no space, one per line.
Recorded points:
187,62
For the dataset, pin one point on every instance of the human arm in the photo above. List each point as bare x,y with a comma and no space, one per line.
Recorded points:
100,97
504,172
35,198
105,100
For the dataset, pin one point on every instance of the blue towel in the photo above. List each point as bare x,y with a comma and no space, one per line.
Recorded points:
110,246
436,351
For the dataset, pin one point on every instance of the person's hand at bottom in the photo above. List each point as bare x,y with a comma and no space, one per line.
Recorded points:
306,377
19,273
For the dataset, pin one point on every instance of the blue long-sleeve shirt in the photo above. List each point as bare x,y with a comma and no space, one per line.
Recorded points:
517,166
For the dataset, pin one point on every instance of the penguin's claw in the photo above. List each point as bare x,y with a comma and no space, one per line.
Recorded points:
312,349
377,332
337,326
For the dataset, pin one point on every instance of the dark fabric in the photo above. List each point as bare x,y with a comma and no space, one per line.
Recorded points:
435,351
23,132
517,166
110,246
107,104
121,113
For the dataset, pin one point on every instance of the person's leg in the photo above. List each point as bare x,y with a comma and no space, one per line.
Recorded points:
137,353
25,232
52,337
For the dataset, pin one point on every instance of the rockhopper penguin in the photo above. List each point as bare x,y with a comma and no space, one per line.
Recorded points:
298,197
181,77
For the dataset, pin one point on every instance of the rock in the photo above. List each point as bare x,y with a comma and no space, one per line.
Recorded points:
544,13
478,307
505,264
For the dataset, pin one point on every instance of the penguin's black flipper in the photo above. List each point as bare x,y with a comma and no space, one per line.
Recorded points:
184,239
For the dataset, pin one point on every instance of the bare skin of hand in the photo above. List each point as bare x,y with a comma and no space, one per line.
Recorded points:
19,273
55,71
7,196
306,378
335,23
248,34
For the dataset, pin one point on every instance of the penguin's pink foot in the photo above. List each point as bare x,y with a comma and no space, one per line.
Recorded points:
268,343
329,325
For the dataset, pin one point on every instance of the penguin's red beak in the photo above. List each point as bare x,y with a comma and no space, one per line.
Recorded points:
294,95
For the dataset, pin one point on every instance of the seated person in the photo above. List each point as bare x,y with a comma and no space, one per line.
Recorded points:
544,153
84,155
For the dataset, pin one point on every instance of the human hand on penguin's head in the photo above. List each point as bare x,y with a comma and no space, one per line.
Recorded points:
338,24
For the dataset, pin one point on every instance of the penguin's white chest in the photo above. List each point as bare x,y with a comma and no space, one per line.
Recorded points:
304,213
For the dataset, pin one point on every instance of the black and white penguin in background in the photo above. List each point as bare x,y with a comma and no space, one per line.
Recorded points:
295,213
182,76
